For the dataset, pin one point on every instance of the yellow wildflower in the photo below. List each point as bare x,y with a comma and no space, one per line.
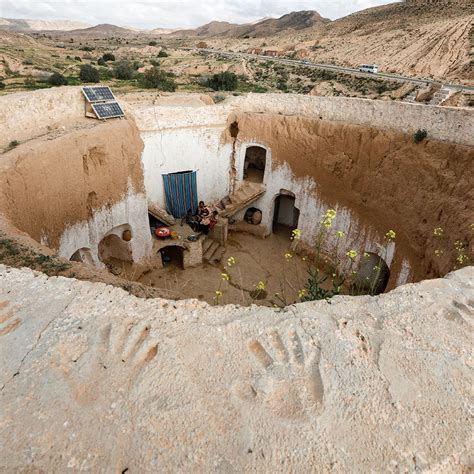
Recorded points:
391,235
340,233
218,293
260,285
438,232
301,294
225,276
231,261
288,256
352,254
296,234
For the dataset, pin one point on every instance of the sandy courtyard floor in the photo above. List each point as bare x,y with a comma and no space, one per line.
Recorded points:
257,260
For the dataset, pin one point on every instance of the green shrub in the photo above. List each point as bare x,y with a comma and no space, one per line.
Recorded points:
282,85
30,83
420,135
105,74
2,85
155,78
163,54
89,73
152,43
108,57
124,70
27,62
101,62
57,79
13,144
78,58
224,81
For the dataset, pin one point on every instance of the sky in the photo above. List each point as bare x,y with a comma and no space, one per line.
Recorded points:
174,13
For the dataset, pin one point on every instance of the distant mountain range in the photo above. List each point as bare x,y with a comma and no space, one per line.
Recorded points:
11,24
264,27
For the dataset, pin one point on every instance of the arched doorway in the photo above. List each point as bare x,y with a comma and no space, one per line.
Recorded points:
285,215
254,164
112,247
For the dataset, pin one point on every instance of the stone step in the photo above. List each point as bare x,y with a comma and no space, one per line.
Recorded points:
247,193
206,244
210,251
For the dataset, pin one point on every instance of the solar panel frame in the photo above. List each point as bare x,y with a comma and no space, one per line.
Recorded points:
107,110
98,94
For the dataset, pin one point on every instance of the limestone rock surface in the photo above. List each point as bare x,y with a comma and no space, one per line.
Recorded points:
94,379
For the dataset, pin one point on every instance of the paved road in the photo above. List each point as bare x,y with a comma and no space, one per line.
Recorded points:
331,67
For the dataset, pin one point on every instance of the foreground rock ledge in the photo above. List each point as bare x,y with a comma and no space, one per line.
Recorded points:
93,379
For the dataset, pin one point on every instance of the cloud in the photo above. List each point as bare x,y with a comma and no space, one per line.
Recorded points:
174,13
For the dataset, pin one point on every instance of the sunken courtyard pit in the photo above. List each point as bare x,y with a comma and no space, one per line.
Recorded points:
134,339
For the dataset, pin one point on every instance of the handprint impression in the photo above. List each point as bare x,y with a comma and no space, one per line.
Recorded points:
290,385
111,364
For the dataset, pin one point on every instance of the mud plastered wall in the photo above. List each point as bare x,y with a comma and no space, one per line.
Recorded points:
377,180
68,191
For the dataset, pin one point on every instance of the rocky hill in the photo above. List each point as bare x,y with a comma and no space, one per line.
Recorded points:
423,38
291,22
104,30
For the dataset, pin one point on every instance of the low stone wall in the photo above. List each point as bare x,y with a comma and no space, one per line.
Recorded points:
442,123
29,115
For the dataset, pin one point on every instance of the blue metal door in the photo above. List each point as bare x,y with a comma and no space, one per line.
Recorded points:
180,192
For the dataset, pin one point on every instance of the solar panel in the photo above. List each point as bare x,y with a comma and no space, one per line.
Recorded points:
108,110
98,93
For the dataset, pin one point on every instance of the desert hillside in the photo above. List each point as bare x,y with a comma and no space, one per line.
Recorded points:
432,39
423,38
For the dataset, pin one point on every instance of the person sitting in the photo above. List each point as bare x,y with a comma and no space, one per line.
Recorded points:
205,222
192,220
213,220
202,210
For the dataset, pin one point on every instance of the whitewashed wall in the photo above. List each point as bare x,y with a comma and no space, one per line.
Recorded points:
196,149
132,211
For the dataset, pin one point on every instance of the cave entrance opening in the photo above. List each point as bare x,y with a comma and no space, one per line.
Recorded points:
254,164
285,215
172,255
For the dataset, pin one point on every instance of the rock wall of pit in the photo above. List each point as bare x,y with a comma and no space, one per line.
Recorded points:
68,187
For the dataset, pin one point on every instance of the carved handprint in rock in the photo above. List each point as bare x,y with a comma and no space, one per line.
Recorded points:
111,364
290,383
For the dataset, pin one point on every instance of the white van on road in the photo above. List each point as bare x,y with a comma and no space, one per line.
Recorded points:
373,68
